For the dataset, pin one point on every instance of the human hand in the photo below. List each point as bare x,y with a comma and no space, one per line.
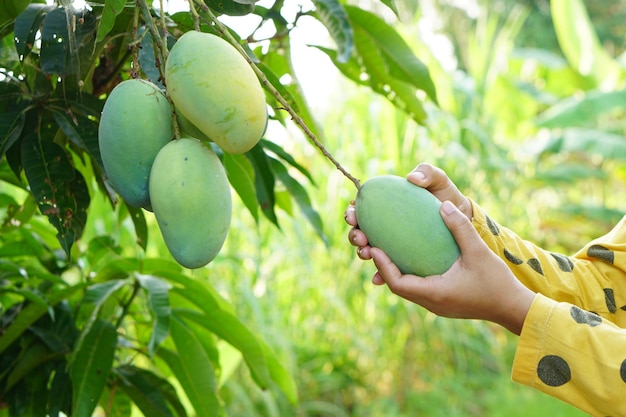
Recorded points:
426,176
479,285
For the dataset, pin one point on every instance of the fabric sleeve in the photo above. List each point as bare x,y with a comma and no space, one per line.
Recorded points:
593,279
573,355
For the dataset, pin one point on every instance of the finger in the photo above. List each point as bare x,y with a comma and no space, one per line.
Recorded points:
357,237
364,252
377,279
464,233
387,270
350,215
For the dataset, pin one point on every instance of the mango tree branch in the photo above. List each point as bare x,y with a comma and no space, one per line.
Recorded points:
223,30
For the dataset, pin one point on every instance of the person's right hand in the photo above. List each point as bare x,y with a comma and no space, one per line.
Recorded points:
426,176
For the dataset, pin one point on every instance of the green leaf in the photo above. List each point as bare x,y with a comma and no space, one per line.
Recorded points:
264,181
159,303
90,366
54,42
241,176
30,314
60,190
332,14
11,127
148,391
141,225
112,8
299,193
82,133
219,319
194,370
582,111
31,357
115,402
399,59
284,155
27,25
580,44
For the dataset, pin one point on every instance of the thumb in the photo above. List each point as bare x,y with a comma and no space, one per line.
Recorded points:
461,228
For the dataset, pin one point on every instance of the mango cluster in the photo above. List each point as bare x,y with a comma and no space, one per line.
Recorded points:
216,98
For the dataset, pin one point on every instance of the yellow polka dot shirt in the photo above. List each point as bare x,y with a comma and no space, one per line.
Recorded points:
573,343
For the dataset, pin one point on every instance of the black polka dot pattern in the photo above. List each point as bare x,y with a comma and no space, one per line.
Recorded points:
609,298
512,258
535,265
622,371
553,371
602,253
581,316
493,227
565,264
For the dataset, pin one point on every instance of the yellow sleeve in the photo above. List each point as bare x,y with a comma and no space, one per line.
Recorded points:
593,279
573,355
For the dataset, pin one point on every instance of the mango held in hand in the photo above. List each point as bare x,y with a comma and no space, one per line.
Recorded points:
214,87
191,201
136,122
404,221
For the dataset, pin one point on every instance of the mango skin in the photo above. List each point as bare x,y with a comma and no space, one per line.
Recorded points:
214,87
191,200
136,122
404,221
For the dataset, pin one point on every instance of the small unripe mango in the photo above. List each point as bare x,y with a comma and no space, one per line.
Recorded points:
136,122
404,221
191,200
213,86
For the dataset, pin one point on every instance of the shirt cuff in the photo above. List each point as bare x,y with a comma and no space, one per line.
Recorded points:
531,340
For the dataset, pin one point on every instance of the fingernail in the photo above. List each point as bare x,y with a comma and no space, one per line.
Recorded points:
448,207
418,175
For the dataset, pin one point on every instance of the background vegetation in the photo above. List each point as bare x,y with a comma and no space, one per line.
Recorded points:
285,322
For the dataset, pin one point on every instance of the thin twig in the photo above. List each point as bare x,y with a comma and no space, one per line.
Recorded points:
223,30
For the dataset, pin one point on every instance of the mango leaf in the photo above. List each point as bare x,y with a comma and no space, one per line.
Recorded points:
54,42
219,318
241,176
400,93
90,366
392,5
82,133
264,181
111,9
141,225
284,155
568,173
582,111
159,303
30,314
404,65
116,402
230,7
60,190
27,24
31,357
580,44
299,193
332,15
28,398
194,370
11,126
60,393
148,391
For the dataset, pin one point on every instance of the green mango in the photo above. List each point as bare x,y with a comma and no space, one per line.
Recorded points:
213,86
404,221
191,200
136,122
